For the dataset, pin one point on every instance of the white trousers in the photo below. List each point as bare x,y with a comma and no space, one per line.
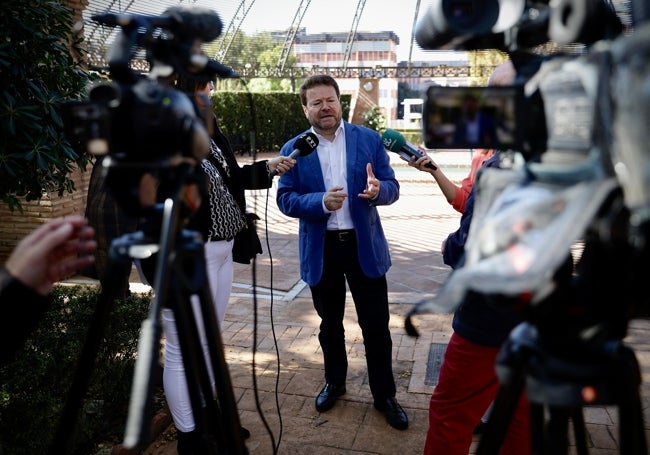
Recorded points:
219,266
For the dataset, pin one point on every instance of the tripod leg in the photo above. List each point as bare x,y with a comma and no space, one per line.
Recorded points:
229,423
551,437
219,415
631,427
632,434
80,382
197,377
505,404
579,431
558,431
537,428
140,412
511,371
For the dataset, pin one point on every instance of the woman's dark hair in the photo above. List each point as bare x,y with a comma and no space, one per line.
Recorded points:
189,85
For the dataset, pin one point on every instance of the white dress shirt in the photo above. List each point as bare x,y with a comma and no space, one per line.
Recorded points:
332,157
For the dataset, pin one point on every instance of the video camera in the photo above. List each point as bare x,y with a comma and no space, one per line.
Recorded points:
531,115
579,120
150,138
560,239
145,126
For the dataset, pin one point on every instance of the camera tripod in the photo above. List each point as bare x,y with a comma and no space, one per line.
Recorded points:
568,353
558,388
179,273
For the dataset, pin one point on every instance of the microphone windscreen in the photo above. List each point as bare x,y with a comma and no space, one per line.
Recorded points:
305,144
199,22
393,140
311,141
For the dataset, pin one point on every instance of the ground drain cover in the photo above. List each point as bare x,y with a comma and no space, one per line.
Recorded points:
436,354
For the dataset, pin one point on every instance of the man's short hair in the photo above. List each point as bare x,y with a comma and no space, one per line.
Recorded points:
313,81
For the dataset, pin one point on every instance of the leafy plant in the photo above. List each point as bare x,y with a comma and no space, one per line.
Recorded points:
38,72
278,118
34,387
375,119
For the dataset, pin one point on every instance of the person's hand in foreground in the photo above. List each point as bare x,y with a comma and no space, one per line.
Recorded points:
52,252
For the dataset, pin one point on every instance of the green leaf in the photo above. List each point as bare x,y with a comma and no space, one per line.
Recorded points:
37,73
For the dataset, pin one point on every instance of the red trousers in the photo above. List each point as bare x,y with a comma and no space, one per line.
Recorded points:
466,387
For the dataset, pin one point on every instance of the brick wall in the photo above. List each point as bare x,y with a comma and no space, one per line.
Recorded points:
15,225
78,6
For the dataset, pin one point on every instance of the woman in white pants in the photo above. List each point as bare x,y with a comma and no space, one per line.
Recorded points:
218,219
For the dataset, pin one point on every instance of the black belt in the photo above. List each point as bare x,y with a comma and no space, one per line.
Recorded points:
345,235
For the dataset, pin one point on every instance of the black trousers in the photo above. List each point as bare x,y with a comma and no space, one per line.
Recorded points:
370,296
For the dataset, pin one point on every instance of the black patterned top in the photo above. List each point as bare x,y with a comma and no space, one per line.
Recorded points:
235,177
226,218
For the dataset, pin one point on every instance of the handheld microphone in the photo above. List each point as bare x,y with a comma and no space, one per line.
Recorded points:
303,146
395,142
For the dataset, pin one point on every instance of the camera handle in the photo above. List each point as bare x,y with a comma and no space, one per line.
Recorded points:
559,387
219,415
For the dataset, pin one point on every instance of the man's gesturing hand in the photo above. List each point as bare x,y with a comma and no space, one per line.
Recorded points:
334,198
372,185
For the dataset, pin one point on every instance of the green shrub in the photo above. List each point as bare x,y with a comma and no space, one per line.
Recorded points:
413,136
279,117
375,119
34,387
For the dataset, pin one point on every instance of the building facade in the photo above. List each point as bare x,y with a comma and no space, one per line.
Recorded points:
359,63
367,50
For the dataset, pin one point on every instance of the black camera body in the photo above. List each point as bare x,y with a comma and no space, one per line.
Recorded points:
146,128
563,104
150,121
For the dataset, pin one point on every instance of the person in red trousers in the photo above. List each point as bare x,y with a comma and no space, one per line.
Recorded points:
467,382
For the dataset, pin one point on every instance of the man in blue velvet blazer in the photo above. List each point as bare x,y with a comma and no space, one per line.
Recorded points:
335,191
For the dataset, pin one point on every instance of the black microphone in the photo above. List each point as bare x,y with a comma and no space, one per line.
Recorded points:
395,142
303,146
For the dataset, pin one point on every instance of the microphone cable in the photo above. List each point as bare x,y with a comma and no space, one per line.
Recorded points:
258,405
271,306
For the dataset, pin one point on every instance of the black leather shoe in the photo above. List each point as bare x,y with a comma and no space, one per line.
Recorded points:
327,397
395,415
